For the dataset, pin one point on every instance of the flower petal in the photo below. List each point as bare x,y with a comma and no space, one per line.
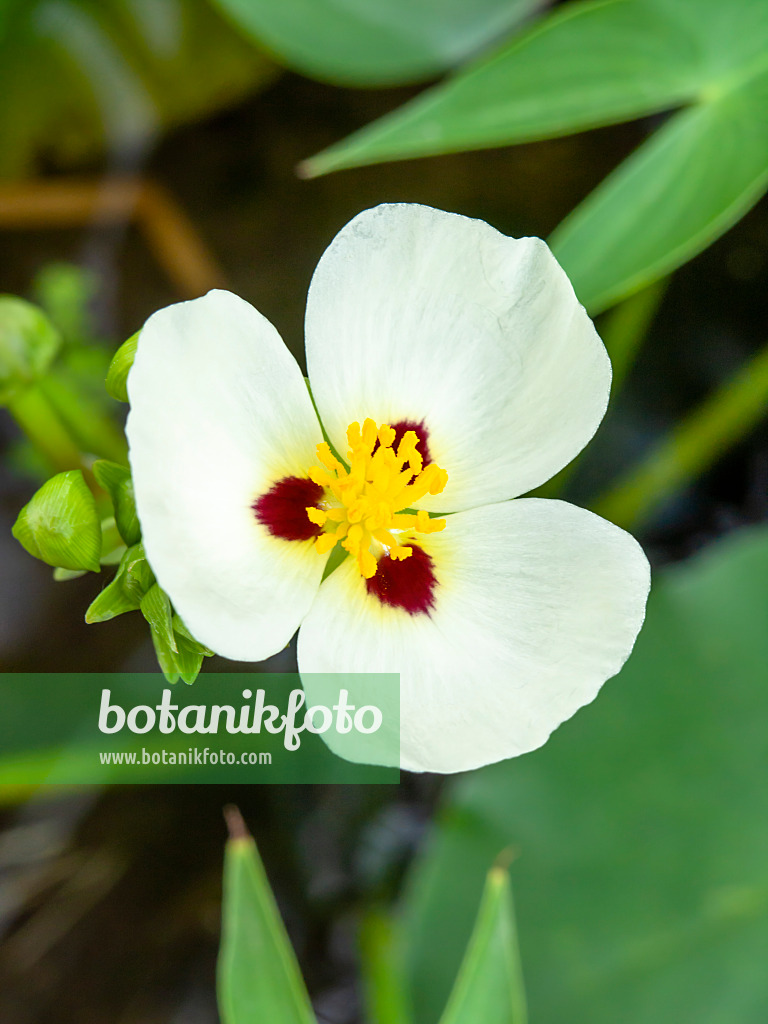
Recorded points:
538,602
219,413
424,316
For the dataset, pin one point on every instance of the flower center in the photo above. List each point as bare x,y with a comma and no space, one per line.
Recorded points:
363,506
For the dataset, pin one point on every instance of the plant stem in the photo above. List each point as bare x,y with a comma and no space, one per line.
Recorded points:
41,423
93,430
624,328
692,446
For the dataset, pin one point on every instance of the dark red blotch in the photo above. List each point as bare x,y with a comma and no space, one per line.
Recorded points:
409,584
283,508
401,427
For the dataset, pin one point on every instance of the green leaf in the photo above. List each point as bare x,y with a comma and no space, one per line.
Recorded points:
125,593
115,72
586,65
384,980
592,64
689,183
61,525
156,609
366,42
28,344
116,481
119,368
642,880
489,986
258,976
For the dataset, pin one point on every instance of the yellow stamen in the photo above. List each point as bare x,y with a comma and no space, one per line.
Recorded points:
362,506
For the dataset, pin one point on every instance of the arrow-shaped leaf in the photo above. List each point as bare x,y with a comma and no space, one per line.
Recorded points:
489,986
258,977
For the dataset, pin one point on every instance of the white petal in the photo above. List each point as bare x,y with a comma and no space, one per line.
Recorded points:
416,314
538,603
219,412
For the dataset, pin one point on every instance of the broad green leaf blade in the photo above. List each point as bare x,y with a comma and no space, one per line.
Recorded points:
366,42
683,188
116,481
641,826
258,976
61,525
586,65
115,71
119,368
489,986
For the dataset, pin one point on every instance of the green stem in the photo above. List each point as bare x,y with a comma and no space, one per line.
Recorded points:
41,423
624,328
694,445
93,430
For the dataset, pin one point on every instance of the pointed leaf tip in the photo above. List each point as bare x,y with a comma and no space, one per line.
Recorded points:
235,823
489,985
258,976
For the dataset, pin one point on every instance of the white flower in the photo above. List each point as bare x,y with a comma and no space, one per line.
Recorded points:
503,622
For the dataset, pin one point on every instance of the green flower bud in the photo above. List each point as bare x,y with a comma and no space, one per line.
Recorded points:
61,525
125,593
28,344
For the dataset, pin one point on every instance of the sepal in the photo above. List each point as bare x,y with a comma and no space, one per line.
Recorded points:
116,481
133,580
119,368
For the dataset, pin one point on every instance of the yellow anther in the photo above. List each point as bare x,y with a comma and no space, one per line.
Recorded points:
386,436
367,563
439,479
362,506
426,525
319,476
369,434
400,553
328,459
407,446
324,543
316,515
353,435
